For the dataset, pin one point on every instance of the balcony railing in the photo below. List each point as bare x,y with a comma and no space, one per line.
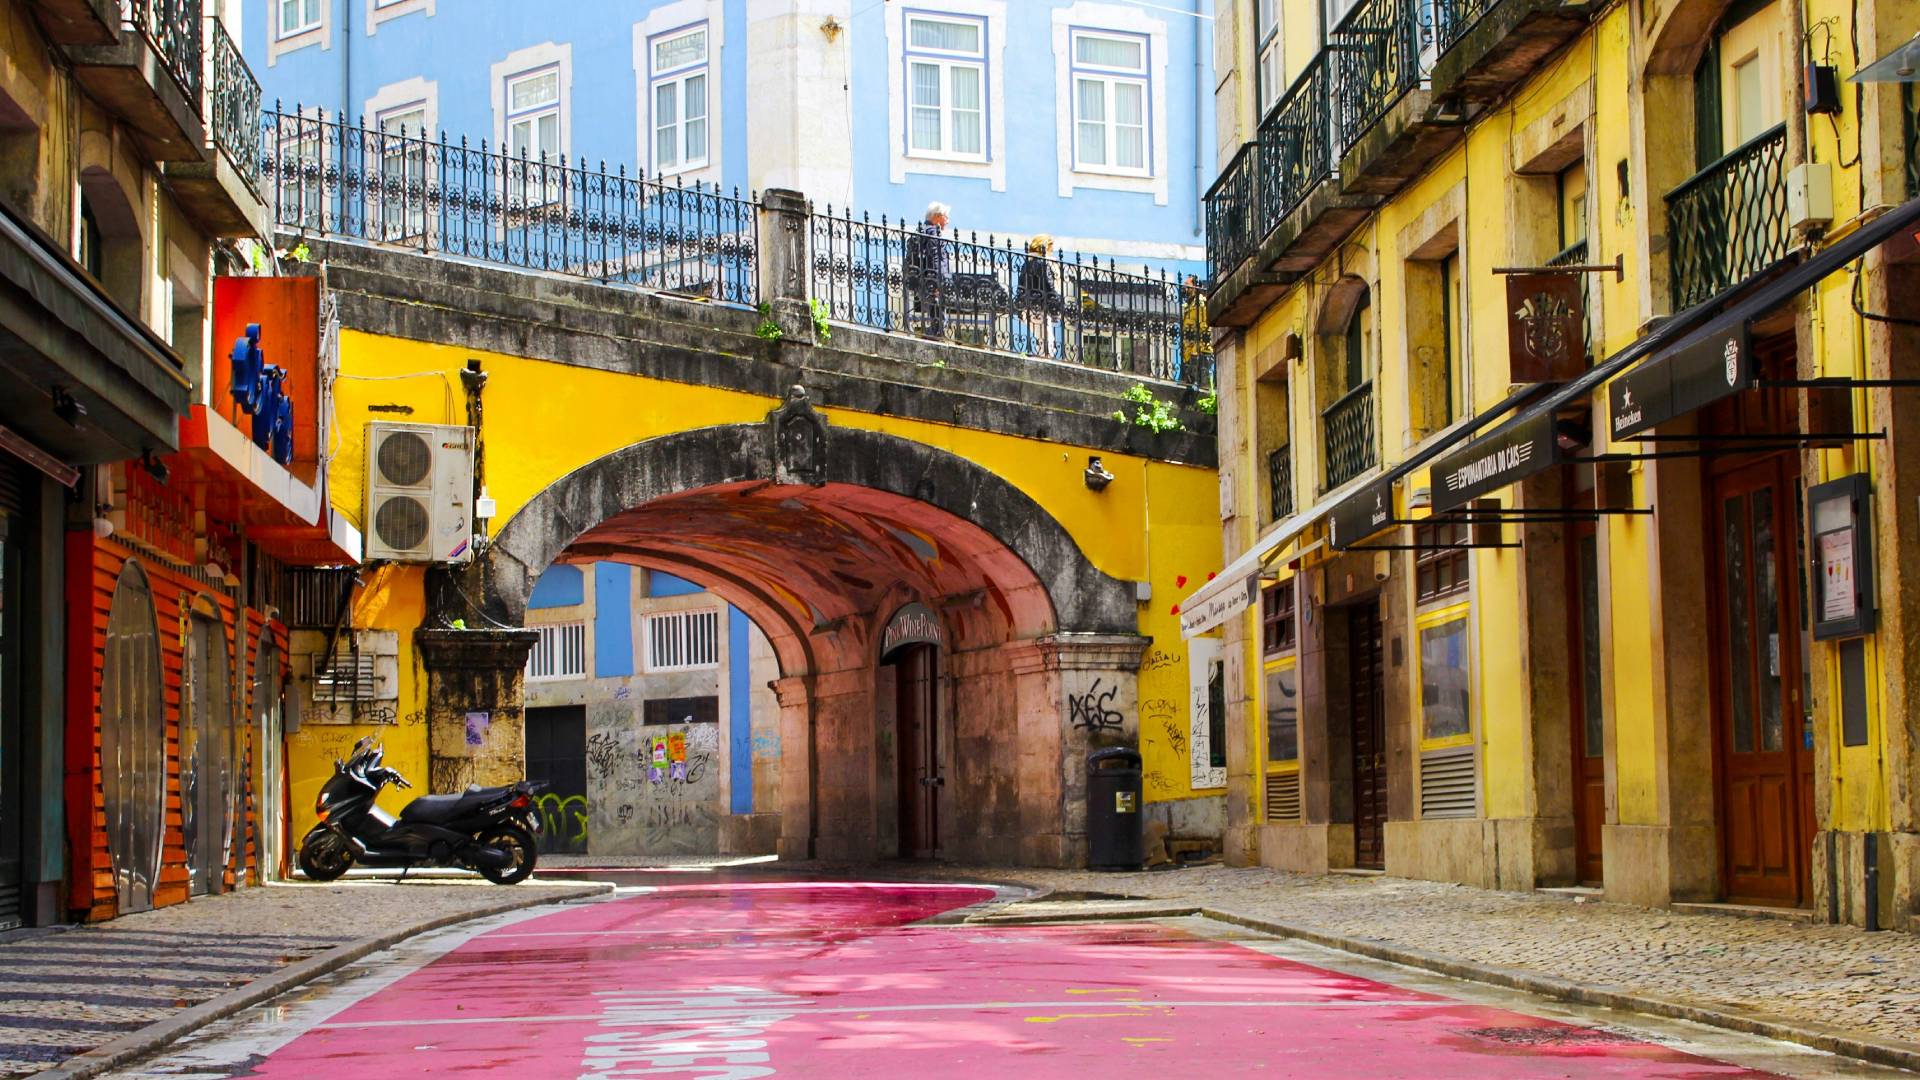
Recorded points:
1348,426
887,276
1280,482
172,28
1575,254
1453,18
234,106
1910,110
1296,143
1377,59
1729,220
1232,233
554,214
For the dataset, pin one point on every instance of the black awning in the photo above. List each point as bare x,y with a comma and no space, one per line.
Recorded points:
1694,371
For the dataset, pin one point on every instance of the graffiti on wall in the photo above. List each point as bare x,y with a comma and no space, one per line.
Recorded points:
1093,710
563,823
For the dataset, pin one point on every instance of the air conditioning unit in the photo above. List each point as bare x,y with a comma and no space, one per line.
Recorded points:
419,493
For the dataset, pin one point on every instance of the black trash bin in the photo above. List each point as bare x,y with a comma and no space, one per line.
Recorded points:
1115,840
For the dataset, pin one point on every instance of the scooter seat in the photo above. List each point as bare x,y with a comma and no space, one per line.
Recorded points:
440,809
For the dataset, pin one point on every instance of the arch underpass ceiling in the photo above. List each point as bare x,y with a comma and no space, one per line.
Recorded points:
820,569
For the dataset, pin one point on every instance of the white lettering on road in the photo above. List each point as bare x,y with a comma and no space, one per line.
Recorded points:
712,1033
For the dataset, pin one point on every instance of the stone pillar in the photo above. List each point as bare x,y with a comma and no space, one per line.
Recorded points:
784,265
844,765
1076,693
476,725
797,808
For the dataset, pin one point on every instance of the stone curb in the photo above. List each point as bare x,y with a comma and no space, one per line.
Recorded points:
1903,1055
162,1033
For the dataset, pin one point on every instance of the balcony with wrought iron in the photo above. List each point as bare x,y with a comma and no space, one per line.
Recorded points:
1282,192
1280,483
1485,48
1347,425
152,75
79,22
221,191
1575,254
1728,221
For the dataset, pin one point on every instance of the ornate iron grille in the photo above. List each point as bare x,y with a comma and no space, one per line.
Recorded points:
1575,254
1348,424
554,214
982,292
1296,144
1729,220
1910,110
1280,482
1231,230
1453,18
173,28
1377,59
235,106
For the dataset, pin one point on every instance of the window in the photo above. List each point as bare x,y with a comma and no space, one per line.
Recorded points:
1276,617
90,240
1440,560
533,114
1747,99
403,171
680,710
1283,714
678,88
1217,718
560,652
683,640
302,169
1571,183
1444,694
1270,56
1450,365
298,16
946,87
1110,102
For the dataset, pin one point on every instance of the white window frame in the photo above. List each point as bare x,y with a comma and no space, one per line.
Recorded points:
1096,17
1271,67
991,164
525,63
381,11
280,8
305,135
533,116
683,648
281,42
394,100
664,22
679,77
1111,79
946,62
560,653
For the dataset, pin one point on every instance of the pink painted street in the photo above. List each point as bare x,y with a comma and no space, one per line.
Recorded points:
749,978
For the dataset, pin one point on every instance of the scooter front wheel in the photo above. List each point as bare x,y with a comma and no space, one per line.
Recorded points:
518,843
325,854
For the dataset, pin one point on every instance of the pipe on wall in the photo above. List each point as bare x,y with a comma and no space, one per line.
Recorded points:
1200,93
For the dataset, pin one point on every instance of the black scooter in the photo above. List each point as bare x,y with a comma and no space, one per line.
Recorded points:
486,829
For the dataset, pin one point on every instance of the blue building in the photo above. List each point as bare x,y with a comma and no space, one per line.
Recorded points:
1086,120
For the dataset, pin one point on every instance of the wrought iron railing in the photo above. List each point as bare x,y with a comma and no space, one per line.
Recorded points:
1296,143
537,212
1348,427
1729,220
233,106
984,293
1232,233
1280,482
1575,254
1910,110
1453,18
172,28
1377,59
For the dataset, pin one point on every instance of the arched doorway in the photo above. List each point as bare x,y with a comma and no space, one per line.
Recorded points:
207,780
269,769
133,742
909,701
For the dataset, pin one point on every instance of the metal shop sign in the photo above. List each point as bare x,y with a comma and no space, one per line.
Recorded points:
913,624
1546,327
1198,618
1699,372
1510,454
1362,514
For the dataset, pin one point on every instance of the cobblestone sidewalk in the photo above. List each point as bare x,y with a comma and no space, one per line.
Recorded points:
1831,977
69,989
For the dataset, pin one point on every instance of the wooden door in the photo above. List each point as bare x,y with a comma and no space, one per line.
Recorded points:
1765,791
920,778
557,757
1367,707
1587,743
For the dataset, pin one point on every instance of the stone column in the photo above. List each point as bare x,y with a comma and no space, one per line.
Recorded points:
797,807
844,765
784,265
476,725
1075,693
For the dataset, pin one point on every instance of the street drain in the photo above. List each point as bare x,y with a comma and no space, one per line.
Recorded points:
1081,894
1549,1036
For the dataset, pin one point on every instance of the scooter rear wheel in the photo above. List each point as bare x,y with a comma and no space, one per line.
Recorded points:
325,855
518,843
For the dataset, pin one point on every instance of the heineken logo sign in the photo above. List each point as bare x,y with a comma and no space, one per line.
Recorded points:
1698,372
1361,514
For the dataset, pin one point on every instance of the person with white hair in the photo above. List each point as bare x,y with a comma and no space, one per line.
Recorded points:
929,266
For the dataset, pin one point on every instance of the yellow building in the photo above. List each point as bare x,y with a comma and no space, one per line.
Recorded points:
1573,577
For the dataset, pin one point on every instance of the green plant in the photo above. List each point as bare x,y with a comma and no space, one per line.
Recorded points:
1148,411
821,331
1209,402
301,253
768,330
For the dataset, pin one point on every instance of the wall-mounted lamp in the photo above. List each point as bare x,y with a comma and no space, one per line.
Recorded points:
831,28
1097,476
154,467
67,407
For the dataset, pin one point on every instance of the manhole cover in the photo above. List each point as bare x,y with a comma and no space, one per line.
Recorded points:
1548,1036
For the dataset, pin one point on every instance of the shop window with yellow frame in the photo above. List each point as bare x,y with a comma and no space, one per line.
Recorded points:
1449,774
1279,695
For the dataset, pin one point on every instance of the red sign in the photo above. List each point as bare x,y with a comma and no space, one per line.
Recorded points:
1546,327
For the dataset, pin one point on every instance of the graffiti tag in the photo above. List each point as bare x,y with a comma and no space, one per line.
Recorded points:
1093,711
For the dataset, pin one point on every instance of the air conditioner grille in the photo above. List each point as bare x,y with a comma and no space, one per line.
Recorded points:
401,523
405,459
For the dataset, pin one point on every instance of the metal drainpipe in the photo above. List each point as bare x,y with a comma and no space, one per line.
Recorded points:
1200,91
345,7
1796,90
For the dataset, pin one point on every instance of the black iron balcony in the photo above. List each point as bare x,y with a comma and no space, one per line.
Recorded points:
1280,482
1232,233
1296,144
1575,254
1377,58
221,190
1729,220
153,76
234,107
1453,18
173,28
1348,426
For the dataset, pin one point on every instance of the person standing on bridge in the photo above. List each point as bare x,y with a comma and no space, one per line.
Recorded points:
929,266
1039,297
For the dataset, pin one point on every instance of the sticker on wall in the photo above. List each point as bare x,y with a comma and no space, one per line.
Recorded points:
477,728
1206,724
677,747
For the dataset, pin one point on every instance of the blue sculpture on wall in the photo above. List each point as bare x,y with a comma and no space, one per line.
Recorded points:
259,388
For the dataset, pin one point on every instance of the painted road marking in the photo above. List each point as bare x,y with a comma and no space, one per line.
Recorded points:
858,1010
